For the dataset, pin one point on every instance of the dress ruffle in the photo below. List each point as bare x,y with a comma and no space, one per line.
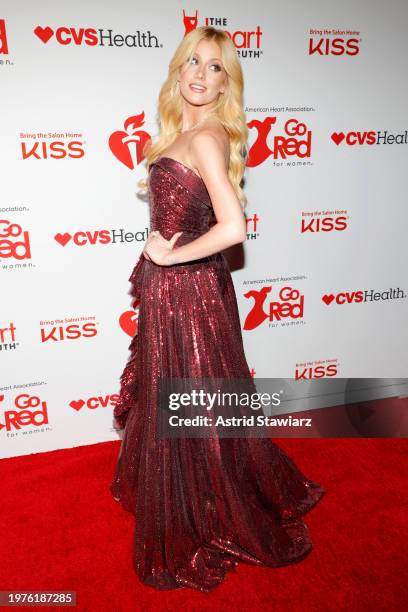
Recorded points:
128,381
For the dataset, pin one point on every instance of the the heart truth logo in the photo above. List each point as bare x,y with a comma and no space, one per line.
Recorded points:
368,295
248,41
92,37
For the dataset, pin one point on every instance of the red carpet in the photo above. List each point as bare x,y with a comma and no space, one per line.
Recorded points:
62,530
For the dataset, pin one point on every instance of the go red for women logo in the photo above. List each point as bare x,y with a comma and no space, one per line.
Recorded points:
288,305
28,410
14,242
295,141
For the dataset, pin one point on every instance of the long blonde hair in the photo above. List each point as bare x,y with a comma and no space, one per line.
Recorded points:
229,109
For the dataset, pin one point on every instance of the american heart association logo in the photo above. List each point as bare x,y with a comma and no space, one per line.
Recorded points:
127,146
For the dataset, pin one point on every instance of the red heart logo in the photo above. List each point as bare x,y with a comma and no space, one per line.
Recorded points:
77,404
1,398
128,322
44,34
337,137
120,148
127,148
328,298
63,239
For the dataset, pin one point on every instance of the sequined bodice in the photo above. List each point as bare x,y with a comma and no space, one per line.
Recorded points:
179,201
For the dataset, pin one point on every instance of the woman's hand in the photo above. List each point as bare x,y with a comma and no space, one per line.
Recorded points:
158,249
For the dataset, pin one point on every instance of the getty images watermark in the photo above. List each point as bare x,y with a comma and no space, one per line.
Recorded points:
283,407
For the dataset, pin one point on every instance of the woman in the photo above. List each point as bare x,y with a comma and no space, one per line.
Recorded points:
201,504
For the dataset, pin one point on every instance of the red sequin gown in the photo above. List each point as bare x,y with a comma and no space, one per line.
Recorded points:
201,504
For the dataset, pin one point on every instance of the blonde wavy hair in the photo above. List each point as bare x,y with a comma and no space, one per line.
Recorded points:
229,109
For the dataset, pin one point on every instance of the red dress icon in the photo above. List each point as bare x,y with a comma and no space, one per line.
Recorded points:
201,504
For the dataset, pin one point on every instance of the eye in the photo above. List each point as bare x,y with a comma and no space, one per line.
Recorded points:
217,66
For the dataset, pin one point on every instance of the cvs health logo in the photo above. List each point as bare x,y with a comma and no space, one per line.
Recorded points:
346,297
296,141
86,237
14,242
92,37
92,403
367,295
67,36
127,144
289,304
370,138
354,138
83,238
28,410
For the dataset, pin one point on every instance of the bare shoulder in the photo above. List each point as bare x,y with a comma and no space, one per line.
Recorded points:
211,142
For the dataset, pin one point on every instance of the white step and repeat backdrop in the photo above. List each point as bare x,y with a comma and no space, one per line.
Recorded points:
321,282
